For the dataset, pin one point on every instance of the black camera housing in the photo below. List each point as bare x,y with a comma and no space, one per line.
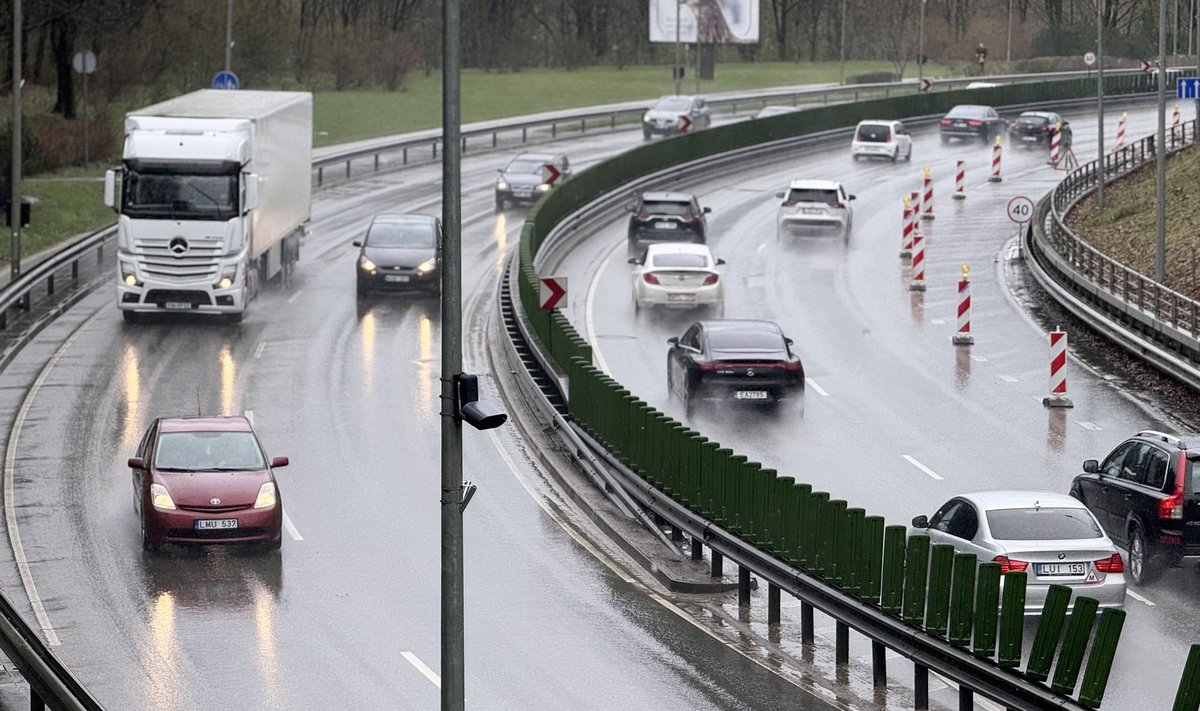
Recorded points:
480,414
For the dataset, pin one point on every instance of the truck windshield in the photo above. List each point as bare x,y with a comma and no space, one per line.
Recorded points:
179,196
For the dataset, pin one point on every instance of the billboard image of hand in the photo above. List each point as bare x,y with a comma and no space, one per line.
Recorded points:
707,21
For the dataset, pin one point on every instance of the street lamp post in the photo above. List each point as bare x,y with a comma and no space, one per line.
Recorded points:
921,45
14,214
1160,151
1100,98
229,35
842,70
1008,52
677,70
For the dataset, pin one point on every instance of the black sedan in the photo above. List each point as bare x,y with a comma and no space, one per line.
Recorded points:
968,121
745,361
1035,128
400,251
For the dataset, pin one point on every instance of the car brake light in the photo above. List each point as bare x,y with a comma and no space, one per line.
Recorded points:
711,279
688,217
974,122
1112,564
650,278
711,365
1010,565
946,122
794,366
1172,506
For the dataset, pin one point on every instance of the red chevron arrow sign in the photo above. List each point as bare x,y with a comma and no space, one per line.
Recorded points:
551,292
685,122
926,85
551,174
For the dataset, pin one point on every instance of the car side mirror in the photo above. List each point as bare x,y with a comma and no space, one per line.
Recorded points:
137,463
789,341
779,194
673,340
852,197
277,462
707,210
634,260
920,521
1091,466
357,243
720,262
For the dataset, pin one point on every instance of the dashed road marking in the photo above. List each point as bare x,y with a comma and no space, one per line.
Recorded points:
979,359
760,248
1139,598
1090,426
258,350
423,668
1009,379
293,297
820,390
923,468
937,321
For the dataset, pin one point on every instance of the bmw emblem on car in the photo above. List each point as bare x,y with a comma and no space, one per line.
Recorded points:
214,501
178,246
1062,555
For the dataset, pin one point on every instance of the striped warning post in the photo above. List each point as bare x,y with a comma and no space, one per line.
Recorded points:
906,230
1055,144
995,162
1058,371
1175,116
1121,130
918,263
963,335
915,216
927,201
960,177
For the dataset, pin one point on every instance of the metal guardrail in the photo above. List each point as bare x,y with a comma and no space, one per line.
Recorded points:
1155,323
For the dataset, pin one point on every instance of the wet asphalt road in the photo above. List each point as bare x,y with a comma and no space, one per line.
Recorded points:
346,616
897,419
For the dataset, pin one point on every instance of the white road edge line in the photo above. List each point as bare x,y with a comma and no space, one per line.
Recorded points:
423,668
258,350
1139,598
296,295
287,520
587,310
10,507
820,391
923,468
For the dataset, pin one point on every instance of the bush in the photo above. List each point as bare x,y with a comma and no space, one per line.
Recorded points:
53,142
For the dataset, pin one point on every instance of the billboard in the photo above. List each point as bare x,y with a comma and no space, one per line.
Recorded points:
720,21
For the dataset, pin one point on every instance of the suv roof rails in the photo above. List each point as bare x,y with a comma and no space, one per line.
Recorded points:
1169,439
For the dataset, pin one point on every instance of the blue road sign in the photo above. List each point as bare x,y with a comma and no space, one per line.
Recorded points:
1187,88
225,80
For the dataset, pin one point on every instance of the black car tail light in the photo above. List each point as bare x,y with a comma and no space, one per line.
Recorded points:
1010,565
946,122
1171,508
974,122
1112,564
711,365
794,366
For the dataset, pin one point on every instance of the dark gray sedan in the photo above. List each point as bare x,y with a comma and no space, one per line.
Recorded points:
400,252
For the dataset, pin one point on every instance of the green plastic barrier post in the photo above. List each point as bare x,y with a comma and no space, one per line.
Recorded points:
1049,631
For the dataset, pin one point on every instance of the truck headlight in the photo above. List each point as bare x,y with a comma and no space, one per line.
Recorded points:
129,276
427,266
266,496
227,277
366,264
501,185
160,497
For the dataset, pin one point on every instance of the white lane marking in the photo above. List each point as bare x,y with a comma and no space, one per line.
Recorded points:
10,506
760,248
937,321
1009,379
979,359
287,520
258,350
1139,598
587,311
922,467
818,388
423,668
1090,426
293,297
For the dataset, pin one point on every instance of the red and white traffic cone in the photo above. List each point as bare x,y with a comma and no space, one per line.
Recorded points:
1058,372
960,177
995,162
1121,130
1055,144
963,336
906,230
927,202
918,263
1175,116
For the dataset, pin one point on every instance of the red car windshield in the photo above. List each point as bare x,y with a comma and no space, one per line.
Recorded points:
208,451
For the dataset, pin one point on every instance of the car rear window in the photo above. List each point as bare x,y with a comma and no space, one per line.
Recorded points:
729,340
973,112
666,207
1042,524
1033,120
874,134
208,451
697,261
829,197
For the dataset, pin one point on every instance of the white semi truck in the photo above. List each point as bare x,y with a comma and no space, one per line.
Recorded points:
212,198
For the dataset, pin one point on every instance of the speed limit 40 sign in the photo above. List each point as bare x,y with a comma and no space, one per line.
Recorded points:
1020,209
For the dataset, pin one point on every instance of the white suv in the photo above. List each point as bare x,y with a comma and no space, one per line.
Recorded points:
818,205
881,139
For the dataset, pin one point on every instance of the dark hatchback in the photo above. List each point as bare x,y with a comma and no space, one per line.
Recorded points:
400,251
205,480
1035,128
738,360
666,217
1146,495
968,121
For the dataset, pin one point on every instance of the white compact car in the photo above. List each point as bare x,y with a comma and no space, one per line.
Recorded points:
680,275
881,139
815,206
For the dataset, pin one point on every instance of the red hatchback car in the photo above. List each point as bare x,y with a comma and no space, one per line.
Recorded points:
206,480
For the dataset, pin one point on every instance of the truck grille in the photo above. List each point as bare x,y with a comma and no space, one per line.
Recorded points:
198,262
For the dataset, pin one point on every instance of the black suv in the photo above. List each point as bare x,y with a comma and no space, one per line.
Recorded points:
971,121
1145,494
666,217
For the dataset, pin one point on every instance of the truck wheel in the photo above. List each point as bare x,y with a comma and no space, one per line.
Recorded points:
130,316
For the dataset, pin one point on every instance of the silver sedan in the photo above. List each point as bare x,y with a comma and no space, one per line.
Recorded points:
1051,537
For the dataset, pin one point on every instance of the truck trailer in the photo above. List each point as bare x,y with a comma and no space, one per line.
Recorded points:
212,197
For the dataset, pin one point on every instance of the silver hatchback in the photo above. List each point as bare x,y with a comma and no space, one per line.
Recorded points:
1051,537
